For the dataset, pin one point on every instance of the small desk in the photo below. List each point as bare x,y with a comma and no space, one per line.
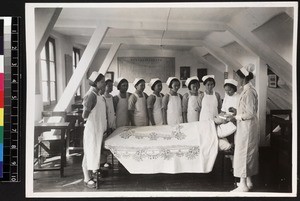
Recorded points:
64,128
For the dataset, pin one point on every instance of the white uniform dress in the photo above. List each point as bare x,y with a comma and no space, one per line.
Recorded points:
193,108
209,107
140,115
95,127
174,112
122,118
245,161
157,110
230,101
111,116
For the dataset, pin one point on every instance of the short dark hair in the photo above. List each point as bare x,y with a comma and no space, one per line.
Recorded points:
170,85
94,84
141,80
210,79
155,83
248,78
232,86
108,81
192,82
121,82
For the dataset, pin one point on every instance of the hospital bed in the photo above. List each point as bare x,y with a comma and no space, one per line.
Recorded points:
182,148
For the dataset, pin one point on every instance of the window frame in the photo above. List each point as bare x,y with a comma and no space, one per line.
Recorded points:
49,103
75,52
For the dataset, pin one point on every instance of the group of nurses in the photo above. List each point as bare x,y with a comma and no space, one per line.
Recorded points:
173,108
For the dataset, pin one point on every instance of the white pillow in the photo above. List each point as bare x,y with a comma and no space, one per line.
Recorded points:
224,130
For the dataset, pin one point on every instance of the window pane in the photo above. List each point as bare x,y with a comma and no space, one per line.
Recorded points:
52,71
44,71
52,91
78,91
51,51
43,54
73,62
45,91
77,58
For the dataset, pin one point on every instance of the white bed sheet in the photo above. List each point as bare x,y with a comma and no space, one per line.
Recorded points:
184,148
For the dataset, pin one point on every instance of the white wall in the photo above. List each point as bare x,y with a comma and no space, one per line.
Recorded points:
63,45
182,58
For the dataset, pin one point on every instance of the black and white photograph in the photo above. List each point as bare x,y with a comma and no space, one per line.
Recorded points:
161,99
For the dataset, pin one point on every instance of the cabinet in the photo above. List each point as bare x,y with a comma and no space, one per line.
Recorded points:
281,147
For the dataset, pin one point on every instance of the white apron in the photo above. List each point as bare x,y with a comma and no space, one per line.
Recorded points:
246,139
192,110
174,112
122,118
157,110
111,116
209,107
95,126
140,115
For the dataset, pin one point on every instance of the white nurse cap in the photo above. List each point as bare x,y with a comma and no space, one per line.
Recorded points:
207,76
231,81
152,81
244,71
136,80
248,68
187,82
94,76
169,80
117,82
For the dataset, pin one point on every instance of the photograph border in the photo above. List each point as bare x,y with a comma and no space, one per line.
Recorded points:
31,77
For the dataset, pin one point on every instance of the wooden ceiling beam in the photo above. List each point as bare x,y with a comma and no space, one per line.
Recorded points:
81,69
143,25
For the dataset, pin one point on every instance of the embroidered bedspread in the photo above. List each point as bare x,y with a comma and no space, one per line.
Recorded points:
184,148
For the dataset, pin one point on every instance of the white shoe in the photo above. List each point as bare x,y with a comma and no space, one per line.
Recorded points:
249,185
241,189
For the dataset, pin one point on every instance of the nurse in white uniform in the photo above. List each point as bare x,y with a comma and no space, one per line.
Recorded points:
210,101
245,163
172,110
110,110
190,101
231,97
137,104
121,102
94,115
154,102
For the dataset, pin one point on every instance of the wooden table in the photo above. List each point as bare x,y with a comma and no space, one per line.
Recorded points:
64,127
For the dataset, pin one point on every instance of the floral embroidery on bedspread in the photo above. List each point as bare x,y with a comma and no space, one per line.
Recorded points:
152,153
131,132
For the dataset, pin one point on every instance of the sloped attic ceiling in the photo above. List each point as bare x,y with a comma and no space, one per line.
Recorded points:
265,32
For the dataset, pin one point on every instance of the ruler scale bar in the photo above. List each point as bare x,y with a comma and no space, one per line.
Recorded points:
11,143
2,153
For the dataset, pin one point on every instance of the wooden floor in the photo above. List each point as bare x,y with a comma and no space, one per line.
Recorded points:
119,179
